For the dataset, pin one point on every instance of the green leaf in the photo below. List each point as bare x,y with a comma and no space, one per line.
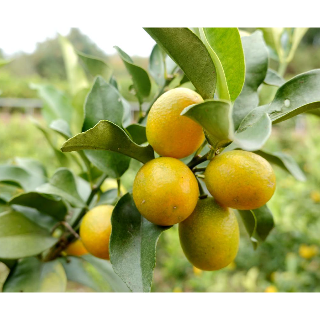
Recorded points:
75,74
138,133
21,176
96,66
108,197
31,165
215,118
284,161
94,273
253,132
62,159
133,245
157,66
19,237
56,104
45,204
258,222
273,79
105,103
32,275
63,184
8,191
296,36
256,58
140,78
225,48
108,136
300,94
62,127
192,56
9,263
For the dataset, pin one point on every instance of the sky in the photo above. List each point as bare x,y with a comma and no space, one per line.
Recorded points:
134,41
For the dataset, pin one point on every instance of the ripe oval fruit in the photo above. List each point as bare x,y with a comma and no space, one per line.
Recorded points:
169,133
210,236
240,180
76,248
95,230
165,191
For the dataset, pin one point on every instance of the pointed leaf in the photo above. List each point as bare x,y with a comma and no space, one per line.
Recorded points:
63,184
108,136
62,127
189,52
133,245
32,275
19,237
96,66
140,77
258,222
284,161
256,59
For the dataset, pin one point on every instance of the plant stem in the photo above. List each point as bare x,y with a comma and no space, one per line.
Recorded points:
202,195
119,187
282,68
197,160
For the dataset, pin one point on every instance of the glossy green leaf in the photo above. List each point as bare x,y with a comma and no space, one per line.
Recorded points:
20,237
284,161
192,56
133,243
108,136
31,165
32,275
256,59
21,176
108,197
105,103
273,79
215,118
45,204
140,77
63,184
8,191
96,66
225,48
258,222
300,94
94,273
157,66
56,104
62,127
138,133
75,74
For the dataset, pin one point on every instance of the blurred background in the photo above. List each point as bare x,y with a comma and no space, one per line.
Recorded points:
288,261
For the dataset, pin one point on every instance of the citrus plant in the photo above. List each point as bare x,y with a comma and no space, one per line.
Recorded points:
193,156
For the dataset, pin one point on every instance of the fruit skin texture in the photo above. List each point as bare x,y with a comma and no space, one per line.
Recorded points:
240,180
210,236
169,133
165,191
95,230
76,248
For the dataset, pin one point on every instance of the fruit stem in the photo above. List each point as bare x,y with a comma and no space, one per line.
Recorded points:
119,187
197,160
202,195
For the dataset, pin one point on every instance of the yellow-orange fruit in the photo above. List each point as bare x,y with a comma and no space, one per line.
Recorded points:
240,180
169,133
95,231
76,248
209,237
165,191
